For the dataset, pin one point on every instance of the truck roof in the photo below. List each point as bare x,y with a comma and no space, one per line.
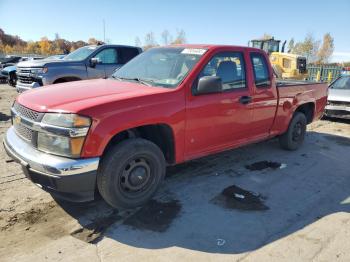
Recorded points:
112,45
212,46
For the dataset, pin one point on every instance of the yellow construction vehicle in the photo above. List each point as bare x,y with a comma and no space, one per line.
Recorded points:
285,65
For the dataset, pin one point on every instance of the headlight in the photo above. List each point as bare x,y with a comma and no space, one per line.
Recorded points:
65,134
41,70
60,145
66,120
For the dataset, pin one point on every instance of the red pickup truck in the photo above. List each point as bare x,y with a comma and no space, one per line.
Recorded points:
168,105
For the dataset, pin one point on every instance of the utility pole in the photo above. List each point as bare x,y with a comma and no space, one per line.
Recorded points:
104,31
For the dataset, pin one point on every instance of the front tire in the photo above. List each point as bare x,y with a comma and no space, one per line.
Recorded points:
130,173
12,79
293,138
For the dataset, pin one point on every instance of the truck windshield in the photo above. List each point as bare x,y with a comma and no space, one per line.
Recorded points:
81,53
165,67
342,83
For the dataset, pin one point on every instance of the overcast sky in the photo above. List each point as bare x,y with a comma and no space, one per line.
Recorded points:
221,22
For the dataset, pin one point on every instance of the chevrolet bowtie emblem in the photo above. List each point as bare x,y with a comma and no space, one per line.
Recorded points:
17,120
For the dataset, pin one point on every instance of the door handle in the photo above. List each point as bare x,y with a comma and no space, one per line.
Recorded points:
245,100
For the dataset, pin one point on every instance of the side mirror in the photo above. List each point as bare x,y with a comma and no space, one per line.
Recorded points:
209,85
94,61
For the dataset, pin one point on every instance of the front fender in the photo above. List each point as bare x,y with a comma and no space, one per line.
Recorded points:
111,119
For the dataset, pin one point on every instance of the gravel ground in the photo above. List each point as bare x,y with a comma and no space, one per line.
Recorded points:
257,203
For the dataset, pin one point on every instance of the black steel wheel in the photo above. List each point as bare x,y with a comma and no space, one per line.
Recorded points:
293,138
130,173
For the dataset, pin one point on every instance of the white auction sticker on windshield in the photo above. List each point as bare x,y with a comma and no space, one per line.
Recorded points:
194,51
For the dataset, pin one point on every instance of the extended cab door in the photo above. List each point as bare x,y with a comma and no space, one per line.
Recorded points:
219,120
265,97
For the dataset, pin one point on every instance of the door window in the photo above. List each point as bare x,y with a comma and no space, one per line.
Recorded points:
229,66
261,71
108,56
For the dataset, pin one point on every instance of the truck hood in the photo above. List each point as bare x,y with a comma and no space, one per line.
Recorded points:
341,95
49,63
76,96
9,69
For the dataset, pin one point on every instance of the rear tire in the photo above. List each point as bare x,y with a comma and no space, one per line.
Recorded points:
130,173
293,138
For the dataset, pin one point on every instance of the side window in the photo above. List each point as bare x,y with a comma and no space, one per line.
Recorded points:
261,71
230,67
127,53
108,56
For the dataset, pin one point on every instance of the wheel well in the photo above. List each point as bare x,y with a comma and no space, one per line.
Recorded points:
160,134
66,79
308,110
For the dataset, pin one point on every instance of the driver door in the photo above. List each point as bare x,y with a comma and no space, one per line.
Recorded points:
107,63
220,120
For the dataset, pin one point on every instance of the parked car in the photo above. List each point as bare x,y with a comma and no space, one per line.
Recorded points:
346,71
87,62
9,61
9,73
166,106
338,104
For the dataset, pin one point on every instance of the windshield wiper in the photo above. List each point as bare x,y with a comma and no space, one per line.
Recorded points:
136,79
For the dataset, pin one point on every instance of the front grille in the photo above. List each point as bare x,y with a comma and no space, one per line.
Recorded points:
25,79
26,112
23,70
24,132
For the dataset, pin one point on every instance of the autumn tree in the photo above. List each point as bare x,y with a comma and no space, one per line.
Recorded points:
150,41
45,46
326,49
138,41
8,49
308,48
166,37
180,37
291,45
93,41
32,48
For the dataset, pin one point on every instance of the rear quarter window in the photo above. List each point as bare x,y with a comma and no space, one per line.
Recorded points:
127,53
260,70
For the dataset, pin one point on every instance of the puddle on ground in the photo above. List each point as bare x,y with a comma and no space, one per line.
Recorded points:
340,140
92,233
234,197
261,165
154,216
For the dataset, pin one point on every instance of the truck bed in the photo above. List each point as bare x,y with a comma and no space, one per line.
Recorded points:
291,94
283,83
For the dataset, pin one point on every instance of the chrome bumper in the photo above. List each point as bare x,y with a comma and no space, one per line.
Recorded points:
44,163
338,111
69,179
20,87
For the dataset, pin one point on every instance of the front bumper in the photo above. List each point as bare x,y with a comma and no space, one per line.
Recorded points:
338,111
21,87
70,179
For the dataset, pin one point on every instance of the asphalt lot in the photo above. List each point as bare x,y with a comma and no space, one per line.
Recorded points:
257,203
